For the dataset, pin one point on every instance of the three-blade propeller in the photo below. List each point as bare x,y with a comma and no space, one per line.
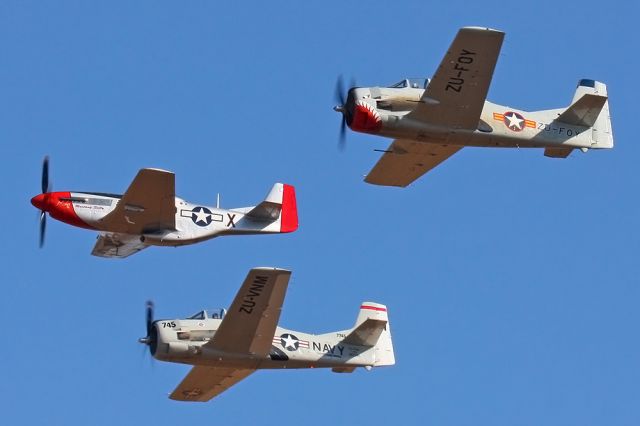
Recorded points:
46,188
341,99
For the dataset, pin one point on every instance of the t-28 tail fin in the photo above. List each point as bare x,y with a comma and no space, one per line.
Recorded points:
372,329
590,108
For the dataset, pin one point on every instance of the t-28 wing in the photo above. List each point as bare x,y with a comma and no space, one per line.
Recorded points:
453,100
247,328
456,94
406,160
204,382
249,325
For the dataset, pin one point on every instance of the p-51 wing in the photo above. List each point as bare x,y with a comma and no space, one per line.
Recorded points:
456,94
117,245
147,206
247,328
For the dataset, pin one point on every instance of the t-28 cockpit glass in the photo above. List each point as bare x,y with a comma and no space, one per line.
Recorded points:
414,83
400,84
216,313
199,316
209,313
418,83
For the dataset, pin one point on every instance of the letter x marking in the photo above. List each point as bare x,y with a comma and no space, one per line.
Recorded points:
231,218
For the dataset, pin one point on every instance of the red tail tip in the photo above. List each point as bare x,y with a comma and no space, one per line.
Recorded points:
289,216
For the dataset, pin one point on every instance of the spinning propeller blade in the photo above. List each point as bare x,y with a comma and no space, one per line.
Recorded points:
43,227
341,98
46,188
339,94
342,141
149,317
152,336
45,175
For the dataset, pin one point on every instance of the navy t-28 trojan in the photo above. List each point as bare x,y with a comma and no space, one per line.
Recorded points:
149,214
431,120
226,346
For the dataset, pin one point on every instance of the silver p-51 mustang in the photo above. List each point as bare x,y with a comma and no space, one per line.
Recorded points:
226,346
150,214
431,120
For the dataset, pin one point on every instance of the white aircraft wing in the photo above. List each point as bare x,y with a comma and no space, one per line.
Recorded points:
147,206
455,95
203,383
250,323
407,160
117,245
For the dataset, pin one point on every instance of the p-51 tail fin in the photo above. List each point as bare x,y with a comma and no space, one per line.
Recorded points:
279,205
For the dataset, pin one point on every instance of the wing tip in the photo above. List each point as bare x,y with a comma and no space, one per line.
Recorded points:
374,181
271,268
481,29
156,169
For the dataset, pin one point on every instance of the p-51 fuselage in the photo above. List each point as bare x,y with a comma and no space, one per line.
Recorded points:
194,223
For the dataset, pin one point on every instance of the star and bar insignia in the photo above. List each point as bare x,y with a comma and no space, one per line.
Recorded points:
514,121
201,216
290,342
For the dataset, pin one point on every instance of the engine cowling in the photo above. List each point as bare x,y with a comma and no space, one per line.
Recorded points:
167,344
177,348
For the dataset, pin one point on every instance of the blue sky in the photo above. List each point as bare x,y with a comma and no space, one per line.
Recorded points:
511,278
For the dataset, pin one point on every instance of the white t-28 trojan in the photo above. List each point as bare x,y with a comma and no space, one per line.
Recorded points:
149,214
226,346
431,120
